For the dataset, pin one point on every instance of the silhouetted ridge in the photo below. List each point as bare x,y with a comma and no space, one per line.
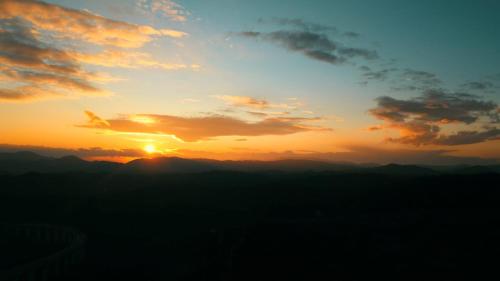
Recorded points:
396,169
21,156
25,161
168,165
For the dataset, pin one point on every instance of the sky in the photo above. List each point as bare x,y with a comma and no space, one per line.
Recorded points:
359,81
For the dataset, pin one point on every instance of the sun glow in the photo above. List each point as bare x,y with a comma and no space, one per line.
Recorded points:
150,148
142,119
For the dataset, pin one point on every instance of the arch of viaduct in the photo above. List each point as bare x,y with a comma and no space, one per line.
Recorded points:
51,265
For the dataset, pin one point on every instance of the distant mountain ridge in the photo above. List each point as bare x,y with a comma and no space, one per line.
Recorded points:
26,161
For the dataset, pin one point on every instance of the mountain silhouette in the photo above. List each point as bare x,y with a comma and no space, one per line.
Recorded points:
26,161
395,169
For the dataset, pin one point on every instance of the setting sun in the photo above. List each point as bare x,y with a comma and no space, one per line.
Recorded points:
150,148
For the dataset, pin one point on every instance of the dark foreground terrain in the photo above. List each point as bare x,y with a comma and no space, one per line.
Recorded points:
268,225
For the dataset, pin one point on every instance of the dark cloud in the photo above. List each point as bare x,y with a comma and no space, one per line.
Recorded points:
420,120
435,106
421,79
20,46
365,68
300,24
351,34
469,137
357,52
379,75
61,81
25,94
403,79
317,46
478,85
484,86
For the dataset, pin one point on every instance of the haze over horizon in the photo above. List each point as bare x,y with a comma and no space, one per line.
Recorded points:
355,81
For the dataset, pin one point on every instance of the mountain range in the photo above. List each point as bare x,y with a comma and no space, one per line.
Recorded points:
26,161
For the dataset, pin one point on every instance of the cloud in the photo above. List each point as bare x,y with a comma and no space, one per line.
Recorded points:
416,80
261,114
435,106
39,70
167,8
37,62
406,79
244,101
380,75
480,86
254,103
40,78
127,59
96,121
26,94
351,34
308,26
189,100
200,128
469,137
314,45
422,77
300,24
420,120
82,25
20,46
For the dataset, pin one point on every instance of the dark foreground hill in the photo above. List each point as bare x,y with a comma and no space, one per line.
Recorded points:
268,226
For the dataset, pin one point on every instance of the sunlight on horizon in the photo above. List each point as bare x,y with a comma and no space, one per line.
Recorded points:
150,149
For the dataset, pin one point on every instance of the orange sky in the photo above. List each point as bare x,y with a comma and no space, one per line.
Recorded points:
162,79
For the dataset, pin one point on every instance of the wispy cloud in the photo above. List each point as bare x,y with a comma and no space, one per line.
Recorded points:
299,24
27,94
244,101
485,86
127,59
170,9
315,41
313,45
255,103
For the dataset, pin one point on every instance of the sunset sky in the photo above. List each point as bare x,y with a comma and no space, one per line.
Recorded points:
363,81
